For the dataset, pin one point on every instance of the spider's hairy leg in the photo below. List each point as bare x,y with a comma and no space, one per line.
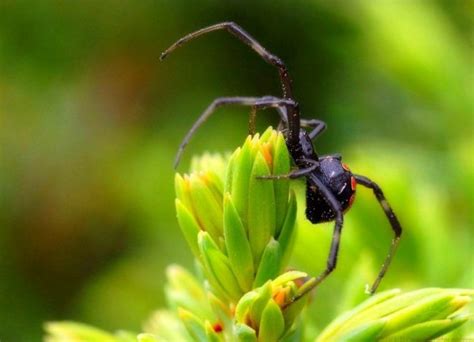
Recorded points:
394,223
257,102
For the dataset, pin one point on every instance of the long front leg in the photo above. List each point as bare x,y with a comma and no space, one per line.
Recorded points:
257,102
237,31
247,39
394,223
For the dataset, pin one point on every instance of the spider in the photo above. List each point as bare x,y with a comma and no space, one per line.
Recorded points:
330,185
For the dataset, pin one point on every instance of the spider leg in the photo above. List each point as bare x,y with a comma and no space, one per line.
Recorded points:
317,126
257,102
282,111
252,120
301,172
336,237
247,39
293,119
395,224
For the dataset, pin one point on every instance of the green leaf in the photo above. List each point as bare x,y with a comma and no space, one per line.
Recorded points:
242,167
373,311
427,330
264,295
270,264
287,235
206,208
181,186
400,312
244,333
183,290
261,208
189,226
365,332
423,310
350,317
244,305
215,185
221,310
237,246
272,324
267,135
229,172
166,326
218,265
281,166
193,325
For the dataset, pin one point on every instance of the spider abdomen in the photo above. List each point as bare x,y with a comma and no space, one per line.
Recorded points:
338,178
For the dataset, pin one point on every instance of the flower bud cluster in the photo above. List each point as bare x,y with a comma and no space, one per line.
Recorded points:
420,315
240,226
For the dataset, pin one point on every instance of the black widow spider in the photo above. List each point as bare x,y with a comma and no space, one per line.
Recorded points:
330,185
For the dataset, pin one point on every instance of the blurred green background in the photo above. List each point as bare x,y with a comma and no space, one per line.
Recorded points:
90,121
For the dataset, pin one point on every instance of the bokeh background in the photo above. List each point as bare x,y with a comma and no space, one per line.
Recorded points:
90,121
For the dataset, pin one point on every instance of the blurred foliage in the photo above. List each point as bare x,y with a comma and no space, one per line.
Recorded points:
90,122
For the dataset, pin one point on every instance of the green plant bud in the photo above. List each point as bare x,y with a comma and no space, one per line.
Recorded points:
243,306
255,218
238,184
272,325
267,135
218,266
366,332
237,245
207,208
344,319
287,234
189,226
262,211
184,290
268,310
199,193
425,312
166,326
428,330
244,333
213,163
281,166
78,332
221,310
429,308
193,324
269,264
182,189
256,308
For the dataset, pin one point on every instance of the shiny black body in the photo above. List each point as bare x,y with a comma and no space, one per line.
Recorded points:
330,185
340,182
330,170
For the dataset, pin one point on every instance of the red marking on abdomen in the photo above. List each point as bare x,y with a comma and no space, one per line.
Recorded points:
351,200
353,183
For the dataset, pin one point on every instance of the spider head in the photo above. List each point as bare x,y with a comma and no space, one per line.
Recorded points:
338,177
